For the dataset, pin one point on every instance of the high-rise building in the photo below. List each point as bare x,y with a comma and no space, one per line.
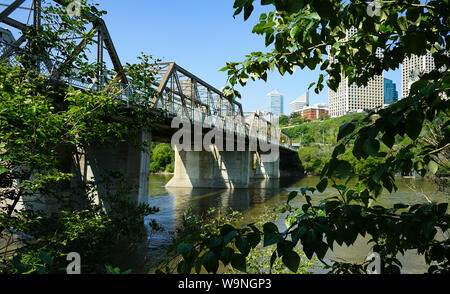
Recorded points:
390,92
275,102
412,68
299,103
352,98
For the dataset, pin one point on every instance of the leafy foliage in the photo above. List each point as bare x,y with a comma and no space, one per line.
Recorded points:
163,158
320,132
43,124
210,243
259,262
312,34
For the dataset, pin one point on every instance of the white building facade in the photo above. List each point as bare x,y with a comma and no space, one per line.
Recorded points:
299,103
412,68
352,98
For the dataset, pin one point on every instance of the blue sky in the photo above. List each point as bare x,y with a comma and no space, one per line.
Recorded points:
201,36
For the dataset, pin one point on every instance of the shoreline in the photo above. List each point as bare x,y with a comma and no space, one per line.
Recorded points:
163,173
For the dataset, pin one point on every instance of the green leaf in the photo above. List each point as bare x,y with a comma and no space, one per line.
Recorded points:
271,234
267,2
273,258
242,245
248,9
284,247
45,257
380,172
310,242
292,195
322,185
413,128
270,227
253,240
226,255
290,7
340,168
388,140
229,236
413,14
215,241
239,262
294,31
183,248
339,149
433,167
345,129
292,261
210,262
371,147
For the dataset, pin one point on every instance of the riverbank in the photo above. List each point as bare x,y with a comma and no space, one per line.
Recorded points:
162,173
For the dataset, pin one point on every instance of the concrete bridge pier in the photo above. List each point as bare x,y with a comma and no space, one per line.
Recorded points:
264,170
216,169
119,171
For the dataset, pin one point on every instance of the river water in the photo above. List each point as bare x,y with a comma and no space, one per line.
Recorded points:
263,196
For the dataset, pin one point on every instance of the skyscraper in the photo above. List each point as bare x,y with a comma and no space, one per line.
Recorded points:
390,91
275,102
353,98
412,68
299,103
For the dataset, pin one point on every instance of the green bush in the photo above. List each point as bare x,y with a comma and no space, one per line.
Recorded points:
170,168
162,158
314,158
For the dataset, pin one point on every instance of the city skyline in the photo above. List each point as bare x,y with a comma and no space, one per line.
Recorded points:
205,59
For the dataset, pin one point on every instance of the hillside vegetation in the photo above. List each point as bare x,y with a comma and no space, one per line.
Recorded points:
320,132
318,139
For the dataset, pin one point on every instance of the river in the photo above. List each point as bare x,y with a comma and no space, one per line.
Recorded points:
263,196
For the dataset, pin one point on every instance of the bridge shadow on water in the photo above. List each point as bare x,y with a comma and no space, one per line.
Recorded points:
174,202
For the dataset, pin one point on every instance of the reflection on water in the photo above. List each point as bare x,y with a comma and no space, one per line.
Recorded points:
265,195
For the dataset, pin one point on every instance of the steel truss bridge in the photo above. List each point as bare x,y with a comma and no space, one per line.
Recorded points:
178,93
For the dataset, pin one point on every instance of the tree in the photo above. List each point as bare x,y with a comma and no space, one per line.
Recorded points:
284,120
43,123
162,158
312,34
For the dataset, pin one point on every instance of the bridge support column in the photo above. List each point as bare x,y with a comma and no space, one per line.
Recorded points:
216,169
264,170
121,171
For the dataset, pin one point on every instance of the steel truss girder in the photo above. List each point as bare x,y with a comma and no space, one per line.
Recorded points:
193,92
98,24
